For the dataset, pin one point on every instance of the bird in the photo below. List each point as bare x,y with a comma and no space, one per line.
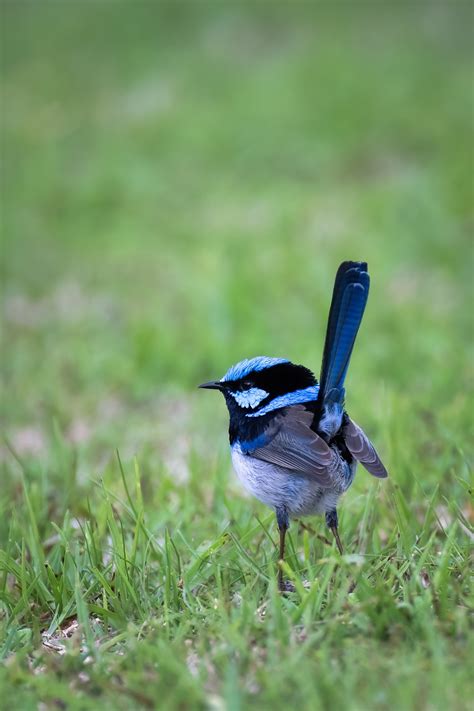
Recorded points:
293,445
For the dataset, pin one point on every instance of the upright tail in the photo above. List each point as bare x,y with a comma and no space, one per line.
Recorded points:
351,289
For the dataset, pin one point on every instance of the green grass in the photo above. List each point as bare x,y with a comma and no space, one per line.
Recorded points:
181,183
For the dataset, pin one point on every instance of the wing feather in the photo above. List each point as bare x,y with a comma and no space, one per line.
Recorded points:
296,447
363,450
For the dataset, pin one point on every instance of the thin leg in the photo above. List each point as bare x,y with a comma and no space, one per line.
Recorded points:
283,525
281,583
335,533
332,523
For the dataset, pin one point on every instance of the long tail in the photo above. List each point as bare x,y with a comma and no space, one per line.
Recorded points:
351,289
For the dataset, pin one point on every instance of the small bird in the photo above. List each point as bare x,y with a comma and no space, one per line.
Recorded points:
293,445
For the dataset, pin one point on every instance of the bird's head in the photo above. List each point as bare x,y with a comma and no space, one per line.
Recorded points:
261,385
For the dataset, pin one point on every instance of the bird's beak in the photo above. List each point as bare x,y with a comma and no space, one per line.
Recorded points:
212,385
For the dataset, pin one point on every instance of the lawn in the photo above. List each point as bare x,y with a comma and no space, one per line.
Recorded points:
181,181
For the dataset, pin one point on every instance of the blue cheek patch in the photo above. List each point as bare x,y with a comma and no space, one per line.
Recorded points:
249,398
294,398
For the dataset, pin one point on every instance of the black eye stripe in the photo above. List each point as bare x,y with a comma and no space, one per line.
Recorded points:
277,380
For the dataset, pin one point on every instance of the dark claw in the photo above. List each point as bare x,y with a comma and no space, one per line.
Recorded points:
284,586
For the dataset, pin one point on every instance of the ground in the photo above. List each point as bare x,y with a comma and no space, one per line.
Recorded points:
181,183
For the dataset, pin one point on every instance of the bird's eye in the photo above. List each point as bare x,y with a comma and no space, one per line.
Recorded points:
247,383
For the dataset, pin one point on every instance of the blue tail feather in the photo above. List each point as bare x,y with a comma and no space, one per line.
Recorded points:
351,289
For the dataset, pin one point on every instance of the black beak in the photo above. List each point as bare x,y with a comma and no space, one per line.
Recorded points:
212,385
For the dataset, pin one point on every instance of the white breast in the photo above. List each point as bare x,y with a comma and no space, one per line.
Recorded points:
277,486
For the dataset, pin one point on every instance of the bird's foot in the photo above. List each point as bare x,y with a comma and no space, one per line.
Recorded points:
284,586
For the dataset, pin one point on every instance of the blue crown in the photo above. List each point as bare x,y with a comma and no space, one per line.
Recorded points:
250,365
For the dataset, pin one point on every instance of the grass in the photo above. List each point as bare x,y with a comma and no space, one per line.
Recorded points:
182,182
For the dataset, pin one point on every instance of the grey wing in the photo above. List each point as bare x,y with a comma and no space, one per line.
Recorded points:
360,446
296,447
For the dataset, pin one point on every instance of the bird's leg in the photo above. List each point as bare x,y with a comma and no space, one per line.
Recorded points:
338,540
332,522
283,525
281,558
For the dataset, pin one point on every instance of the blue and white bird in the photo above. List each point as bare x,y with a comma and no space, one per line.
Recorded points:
294,447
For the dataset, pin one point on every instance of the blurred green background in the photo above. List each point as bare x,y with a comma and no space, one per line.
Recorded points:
180,183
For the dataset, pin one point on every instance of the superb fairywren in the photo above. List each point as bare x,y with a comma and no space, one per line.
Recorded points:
293,445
